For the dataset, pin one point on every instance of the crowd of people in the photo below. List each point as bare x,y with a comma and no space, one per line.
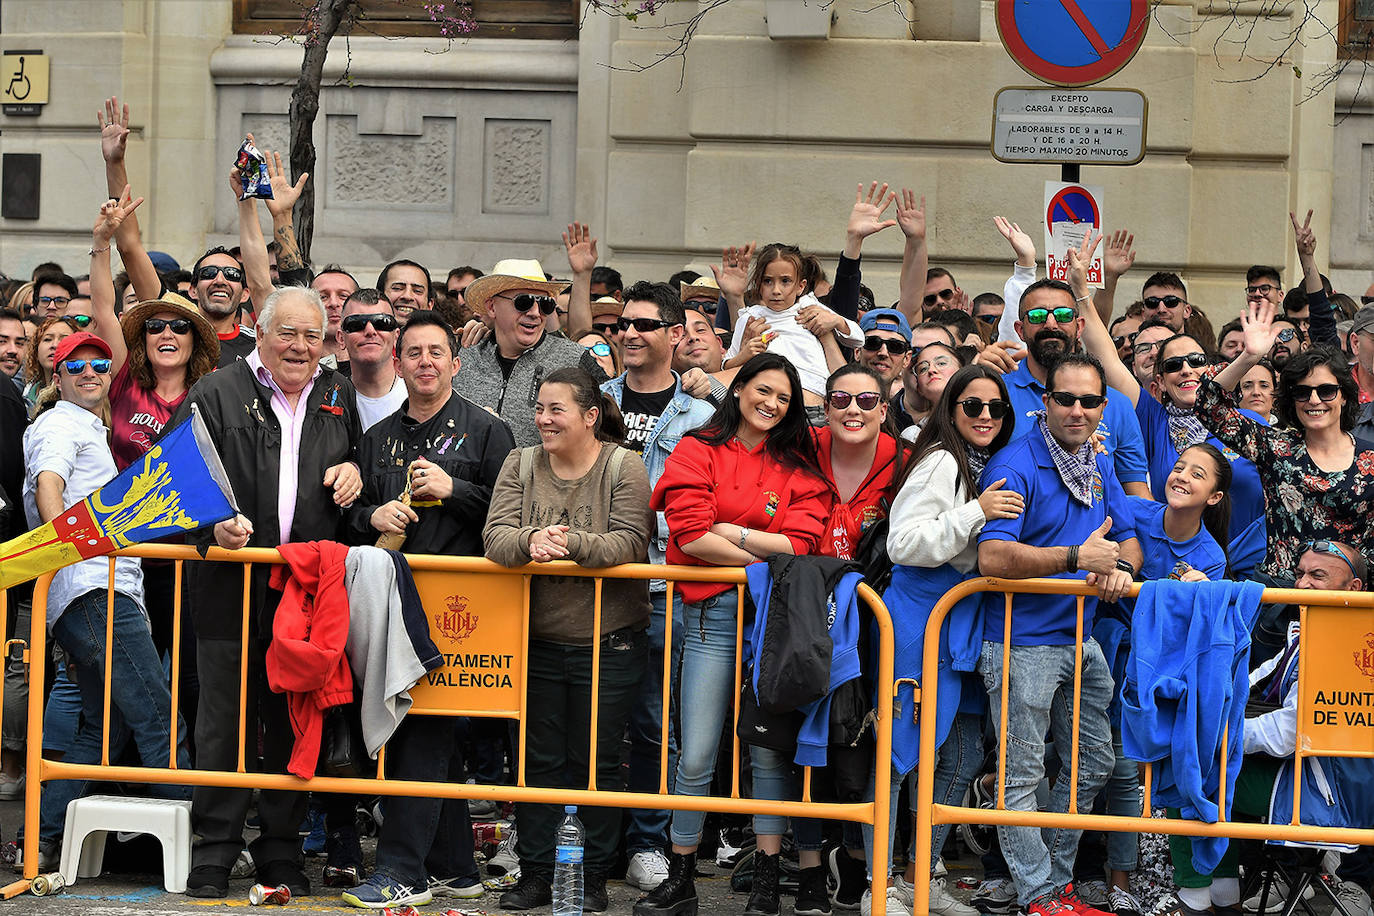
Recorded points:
762,413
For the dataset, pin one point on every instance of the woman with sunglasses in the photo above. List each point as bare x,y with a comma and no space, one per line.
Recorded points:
743,487
1165,411
932,367
1319,478
605,352
38,359
933,544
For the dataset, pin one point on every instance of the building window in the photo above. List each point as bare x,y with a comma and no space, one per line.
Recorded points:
1355,35
555,19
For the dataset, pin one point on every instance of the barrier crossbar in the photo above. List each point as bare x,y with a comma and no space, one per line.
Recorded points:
929,814
42,770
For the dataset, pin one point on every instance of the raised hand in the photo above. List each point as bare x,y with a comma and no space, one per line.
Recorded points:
112,214
1304,236
581,248
732,276
1119,255
114,130
867,216
1079,259
1020,242
1257,326
284,193
910,215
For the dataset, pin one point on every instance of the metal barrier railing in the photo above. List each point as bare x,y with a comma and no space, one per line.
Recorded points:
503,585
1319,616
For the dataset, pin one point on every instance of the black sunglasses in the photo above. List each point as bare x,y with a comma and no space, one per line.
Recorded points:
158,325
78,322
380,321
642,325
1326,392
943,295
210,271
526,301
973,407
1089,401
1120,342
1172,302
606,330
1175,363
894,346
867,400
1062,315
100,365
988,318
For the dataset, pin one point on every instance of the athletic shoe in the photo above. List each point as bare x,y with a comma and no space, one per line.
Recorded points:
942,902
1092,892
896,906
1353,899
505,863
532,892
1124,903
208,881
727,853
314,842
342,875
11,787
1050,904
1070,898
851,879
1173,905
457,886
1278,893
379,892
995,895
243,865
649,868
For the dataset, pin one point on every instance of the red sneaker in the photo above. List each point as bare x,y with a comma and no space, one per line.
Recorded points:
1050,904
1069,898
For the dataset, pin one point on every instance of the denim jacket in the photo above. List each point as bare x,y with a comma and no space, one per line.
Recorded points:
683,414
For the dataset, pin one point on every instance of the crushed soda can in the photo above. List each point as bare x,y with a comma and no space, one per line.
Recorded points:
485,833
51,883
400,911
967,882
467,912
251,167
260,894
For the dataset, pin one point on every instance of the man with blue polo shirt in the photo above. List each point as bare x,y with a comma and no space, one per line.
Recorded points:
1050,324
1076,520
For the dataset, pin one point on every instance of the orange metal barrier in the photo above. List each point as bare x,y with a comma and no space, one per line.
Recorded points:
454,590
1332,623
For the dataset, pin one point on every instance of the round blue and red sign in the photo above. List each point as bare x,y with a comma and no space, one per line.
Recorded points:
1073,205
1072,42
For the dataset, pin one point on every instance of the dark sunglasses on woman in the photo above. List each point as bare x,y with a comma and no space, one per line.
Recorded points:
973,408
78,322
867,400
1175,363
158,325
1326,392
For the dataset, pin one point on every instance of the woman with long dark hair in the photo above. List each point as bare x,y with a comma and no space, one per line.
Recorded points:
933,544
743,487
578,496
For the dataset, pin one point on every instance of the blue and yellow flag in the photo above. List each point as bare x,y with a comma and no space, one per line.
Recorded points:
178,486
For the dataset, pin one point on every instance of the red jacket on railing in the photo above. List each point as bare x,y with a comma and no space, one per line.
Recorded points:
306,658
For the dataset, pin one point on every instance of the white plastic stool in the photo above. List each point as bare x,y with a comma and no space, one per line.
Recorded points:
90,818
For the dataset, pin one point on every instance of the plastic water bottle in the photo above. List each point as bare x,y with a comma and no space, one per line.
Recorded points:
567,864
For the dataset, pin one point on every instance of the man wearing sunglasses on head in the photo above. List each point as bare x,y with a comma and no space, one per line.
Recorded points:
367,333
1050,324
502,373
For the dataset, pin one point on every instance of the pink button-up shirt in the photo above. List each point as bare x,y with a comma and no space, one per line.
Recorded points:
288,475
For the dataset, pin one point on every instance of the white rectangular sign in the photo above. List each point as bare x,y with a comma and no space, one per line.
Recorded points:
1071,212
1085,126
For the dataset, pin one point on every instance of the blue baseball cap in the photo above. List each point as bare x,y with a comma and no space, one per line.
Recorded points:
886,320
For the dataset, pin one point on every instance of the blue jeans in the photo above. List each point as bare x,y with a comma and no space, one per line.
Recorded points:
140,701
648,828
708,680
776,778
1040,699
957,762
1123,799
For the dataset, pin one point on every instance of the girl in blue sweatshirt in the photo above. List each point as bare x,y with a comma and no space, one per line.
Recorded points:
1181,538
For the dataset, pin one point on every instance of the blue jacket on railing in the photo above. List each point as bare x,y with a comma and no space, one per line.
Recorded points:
910,599
1187,680
813,739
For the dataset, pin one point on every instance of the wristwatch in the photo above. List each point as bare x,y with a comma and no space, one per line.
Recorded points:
1126,567
743,536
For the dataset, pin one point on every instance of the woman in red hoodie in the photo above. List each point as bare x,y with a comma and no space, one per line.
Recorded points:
743,487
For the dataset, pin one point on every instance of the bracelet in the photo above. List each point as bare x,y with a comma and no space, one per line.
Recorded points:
1072,563
95,251
1126,567
743,536
1082,298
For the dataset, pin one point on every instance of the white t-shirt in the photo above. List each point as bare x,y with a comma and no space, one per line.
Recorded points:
372,410
802,348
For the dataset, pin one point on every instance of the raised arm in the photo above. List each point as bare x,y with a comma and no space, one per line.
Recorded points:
732,276
1215,405
1095,336
114,138
112,213
1022,276
1117,258
1321,328
257,274
915,257
865,219
282,207
581,249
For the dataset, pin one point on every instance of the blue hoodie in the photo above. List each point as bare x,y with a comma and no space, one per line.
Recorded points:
813,739
1187,679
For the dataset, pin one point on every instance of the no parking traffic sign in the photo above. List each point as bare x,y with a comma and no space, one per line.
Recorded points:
1072,42
1071,212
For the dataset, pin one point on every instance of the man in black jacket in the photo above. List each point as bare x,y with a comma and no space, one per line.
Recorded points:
286,430
450,452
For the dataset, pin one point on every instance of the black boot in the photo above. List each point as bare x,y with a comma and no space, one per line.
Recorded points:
677,895
763,899
813,893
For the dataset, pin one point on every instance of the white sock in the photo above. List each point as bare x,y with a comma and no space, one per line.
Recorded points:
1225,891
1197,898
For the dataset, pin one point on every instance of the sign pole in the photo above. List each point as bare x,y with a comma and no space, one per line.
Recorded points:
1069,172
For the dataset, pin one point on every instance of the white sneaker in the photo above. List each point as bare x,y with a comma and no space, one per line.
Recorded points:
942,902
1353,899
896,906
504,863
1092,892
649,868
995,895
1278,893
243,865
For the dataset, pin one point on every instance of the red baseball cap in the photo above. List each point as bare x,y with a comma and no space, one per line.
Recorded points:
80,339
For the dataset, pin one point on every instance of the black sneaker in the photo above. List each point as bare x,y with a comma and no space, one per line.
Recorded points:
851,878
813,894
208,881
531,892
594,898
1172,905
284,872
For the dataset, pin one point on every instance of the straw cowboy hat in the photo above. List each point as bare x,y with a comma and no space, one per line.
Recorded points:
700,288
512,273
131,322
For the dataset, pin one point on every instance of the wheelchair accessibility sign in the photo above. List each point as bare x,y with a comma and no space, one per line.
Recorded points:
23,82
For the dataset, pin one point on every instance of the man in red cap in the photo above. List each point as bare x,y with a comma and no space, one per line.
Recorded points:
67,458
